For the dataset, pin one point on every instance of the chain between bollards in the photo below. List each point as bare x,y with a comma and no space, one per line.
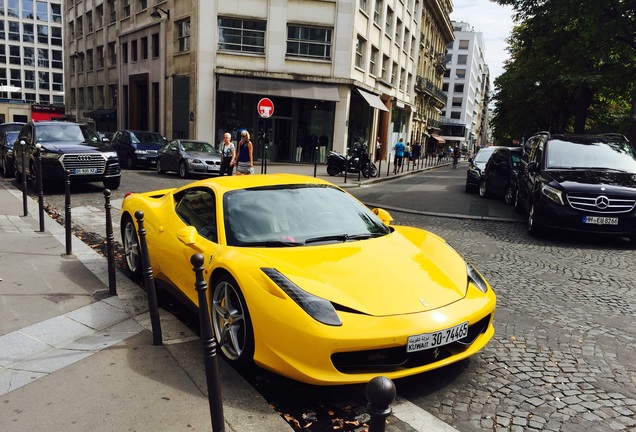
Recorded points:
67,212
209,347
38,171
149,282
380,394
110,242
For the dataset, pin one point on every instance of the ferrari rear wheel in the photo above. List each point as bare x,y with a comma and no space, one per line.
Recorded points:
231,321
132,251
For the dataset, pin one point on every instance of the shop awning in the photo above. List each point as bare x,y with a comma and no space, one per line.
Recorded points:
439,138
101,113
270,87
373,100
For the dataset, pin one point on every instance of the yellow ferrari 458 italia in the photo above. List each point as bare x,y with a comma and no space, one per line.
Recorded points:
306,281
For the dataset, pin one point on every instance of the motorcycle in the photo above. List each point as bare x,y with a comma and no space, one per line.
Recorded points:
357,162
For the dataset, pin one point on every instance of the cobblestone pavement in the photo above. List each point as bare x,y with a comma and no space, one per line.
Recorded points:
564,354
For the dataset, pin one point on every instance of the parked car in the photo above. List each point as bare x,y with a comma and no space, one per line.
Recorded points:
581,183
65,146
278,253
188,157
137,148
476,167
6,152
500,174
6,146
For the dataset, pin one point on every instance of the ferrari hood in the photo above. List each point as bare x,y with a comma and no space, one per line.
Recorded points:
390,275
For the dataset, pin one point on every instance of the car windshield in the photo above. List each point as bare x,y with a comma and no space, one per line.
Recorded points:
62,132
147,138
296,215
484,154
11,137
611,155
198,146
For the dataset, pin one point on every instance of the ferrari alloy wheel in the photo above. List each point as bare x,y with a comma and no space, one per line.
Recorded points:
231,321
132,251
483,188
509,195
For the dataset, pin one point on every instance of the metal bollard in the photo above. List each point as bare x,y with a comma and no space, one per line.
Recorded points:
265,160
67,212
40,186
380,394
388,165
209,348
149,282
379,167
110,242
24,182
315,161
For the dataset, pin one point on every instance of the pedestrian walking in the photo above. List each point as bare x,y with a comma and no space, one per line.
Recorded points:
228,152
399,149
243,159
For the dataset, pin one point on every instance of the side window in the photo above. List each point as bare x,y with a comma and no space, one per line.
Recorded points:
197,208
537,153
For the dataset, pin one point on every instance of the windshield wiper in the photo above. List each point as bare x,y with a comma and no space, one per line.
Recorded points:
271,243
343,237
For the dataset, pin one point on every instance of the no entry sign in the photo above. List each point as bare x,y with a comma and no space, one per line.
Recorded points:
265,108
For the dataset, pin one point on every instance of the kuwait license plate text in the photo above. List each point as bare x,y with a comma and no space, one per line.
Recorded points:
426,341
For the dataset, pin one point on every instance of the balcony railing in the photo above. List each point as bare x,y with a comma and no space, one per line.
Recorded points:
426,85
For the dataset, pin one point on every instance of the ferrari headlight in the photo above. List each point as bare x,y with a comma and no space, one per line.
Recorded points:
318,308
476,278
553,194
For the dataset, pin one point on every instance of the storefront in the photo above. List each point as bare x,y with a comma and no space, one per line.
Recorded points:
301,127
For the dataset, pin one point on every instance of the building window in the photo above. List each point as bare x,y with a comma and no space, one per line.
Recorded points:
377,12
463,44
242,35
394,71
56,13
413,45
388,25
27,33
100,95
144,48
364,6
99,12
125,8
112,12
42,11
373,60
43,81
449,58
155,45
360,45
456,115
56,59
459,88
100,57
27,9
398,31
406,40
89,59
445,87
43,34
29,56
14,55
79,24
89,21
89,96
385,68
402,78
311,42
112,54
462,59
14,31
112,89
29,79
133,51
124,52
142,5
460,73
183,35
56,36
58,82
409,81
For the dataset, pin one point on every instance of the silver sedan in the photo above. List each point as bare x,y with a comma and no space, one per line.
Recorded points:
188,158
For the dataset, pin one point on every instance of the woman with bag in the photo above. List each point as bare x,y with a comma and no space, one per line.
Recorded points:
227,163
243,159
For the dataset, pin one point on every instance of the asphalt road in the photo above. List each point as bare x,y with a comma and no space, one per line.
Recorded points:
562,358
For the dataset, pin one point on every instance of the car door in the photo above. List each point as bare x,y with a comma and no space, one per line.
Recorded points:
195,208
499,171
171,156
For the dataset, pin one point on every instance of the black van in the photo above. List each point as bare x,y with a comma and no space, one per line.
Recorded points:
582,183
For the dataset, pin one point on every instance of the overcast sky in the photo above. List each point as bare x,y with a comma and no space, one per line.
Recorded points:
494,21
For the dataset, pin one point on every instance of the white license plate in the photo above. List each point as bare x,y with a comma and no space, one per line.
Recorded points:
85,170
213,168
426,341
600,220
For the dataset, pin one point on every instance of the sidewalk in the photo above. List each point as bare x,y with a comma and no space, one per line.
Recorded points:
74,358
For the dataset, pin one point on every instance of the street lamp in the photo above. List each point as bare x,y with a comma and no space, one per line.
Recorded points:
156,15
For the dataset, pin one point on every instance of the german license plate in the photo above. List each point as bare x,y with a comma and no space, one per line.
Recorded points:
213,168
426,341
85,171
600,220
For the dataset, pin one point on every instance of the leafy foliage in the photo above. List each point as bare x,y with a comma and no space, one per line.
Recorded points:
571,68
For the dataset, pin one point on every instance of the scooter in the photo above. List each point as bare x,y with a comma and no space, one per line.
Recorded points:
358,162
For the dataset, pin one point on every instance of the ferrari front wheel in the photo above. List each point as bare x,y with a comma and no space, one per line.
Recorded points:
231,321
132,250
